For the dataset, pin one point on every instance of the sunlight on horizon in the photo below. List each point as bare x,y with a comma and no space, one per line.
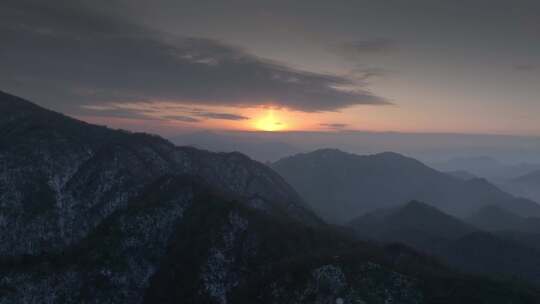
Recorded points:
269,122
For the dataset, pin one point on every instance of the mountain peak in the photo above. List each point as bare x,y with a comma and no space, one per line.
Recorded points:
410,223
416,211
328,151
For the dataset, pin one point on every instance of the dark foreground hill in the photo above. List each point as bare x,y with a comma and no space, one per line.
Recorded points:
91,215
341,186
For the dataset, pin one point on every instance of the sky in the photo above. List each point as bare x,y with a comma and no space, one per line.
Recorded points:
170,66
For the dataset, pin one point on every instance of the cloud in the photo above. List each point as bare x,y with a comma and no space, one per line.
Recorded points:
370,46
109,111
334,125
224,116
149,111
525,67
68,54
356,53
365,74
181,118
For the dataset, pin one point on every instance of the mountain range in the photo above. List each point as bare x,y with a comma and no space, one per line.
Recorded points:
468,246
259,149
341,186
527,185
94,215
487,167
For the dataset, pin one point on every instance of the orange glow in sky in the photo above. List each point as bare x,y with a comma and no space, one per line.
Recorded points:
269,122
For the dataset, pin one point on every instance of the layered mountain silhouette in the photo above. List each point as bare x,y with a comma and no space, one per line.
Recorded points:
414,223
461,174
487,167
341,186
93,215
252,146
495,218
527,185
456,242
508,225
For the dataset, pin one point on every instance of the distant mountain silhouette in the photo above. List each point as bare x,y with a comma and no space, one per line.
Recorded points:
256,148
486,167
454,241
495,218
93,215
462,174
414,223
527,185
532,178
341,186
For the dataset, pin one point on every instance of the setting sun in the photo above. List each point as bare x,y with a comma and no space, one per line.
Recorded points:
269,122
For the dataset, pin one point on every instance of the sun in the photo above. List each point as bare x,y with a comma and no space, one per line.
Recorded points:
269,122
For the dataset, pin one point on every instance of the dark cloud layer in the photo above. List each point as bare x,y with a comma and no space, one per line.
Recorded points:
181,118
70,54
136,111
224,116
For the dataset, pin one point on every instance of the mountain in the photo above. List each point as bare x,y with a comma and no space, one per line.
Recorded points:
181,242
93,215
414,223
527,185
530,178
341,186
461,174
62,177
452,240
260,149
495,218
486,167
491,254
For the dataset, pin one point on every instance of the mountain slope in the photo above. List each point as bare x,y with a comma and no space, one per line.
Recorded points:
454,241
414,223
527,185
341,186
486,167
461,174
532,178
182,241
494,218
60,177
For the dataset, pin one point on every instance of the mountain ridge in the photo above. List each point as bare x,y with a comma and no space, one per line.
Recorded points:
75,167
341,186
456,242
